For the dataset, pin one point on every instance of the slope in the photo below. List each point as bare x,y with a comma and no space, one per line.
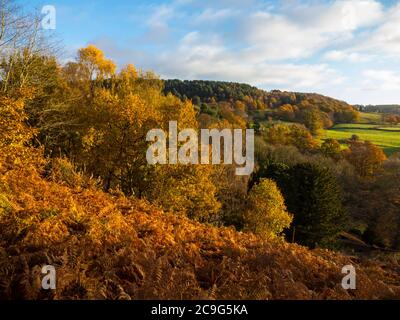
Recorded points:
112,247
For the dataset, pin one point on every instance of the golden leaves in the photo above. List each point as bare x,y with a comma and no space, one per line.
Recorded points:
266,214
94,62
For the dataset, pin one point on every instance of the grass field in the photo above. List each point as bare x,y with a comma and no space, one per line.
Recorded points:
369,128
370,118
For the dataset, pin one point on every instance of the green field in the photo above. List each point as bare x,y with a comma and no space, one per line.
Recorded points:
370,118
369,128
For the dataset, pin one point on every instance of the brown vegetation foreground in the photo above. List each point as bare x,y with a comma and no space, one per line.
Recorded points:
108,246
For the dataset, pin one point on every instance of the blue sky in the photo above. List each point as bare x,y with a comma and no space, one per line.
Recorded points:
345,49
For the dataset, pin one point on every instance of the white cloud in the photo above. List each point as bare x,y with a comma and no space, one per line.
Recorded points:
338,55
386,38
337,16
301,31
383,80
212,15
274,37
196,58
160,16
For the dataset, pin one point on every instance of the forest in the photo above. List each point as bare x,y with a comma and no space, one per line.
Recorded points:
77,192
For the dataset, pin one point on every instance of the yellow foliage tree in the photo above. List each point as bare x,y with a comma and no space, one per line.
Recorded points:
266,214
109,127
94,64
14,134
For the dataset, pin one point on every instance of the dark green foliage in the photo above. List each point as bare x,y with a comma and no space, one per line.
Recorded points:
207,109
313,196
205,90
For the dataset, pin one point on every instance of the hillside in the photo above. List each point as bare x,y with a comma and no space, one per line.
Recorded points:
109,246
218,100
206,90
201,91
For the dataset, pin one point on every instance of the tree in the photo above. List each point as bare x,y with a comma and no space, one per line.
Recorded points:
22,45
13,131
266,212
313,196
286,112
366,157
104,128
312,120
354,137
374,205
301,138
228,114
392,119
184,190
297,135
347,115
196,100
326,120
93,63
331,148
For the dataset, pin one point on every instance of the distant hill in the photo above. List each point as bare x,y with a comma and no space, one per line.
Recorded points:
211,92
205,91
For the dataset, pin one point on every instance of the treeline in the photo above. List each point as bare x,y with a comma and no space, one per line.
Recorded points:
313,110
291,106
201,91
390,108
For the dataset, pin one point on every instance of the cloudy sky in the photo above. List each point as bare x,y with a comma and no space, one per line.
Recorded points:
345,49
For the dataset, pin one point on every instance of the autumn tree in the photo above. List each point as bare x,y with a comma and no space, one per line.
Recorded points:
184,189
326,120
297,135
331,148
13,131
301,138
366,157
15,135
266,212
93,64
393,119
312,120
226,112
103,130
347,115
287,112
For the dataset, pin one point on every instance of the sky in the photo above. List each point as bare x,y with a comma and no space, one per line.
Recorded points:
349,50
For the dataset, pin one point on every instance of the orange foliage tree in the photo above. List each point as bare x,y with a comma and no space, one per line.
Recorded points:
366,157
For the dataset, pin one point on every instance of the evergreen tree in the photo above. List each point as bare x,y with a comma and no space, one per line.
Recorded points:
313,196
